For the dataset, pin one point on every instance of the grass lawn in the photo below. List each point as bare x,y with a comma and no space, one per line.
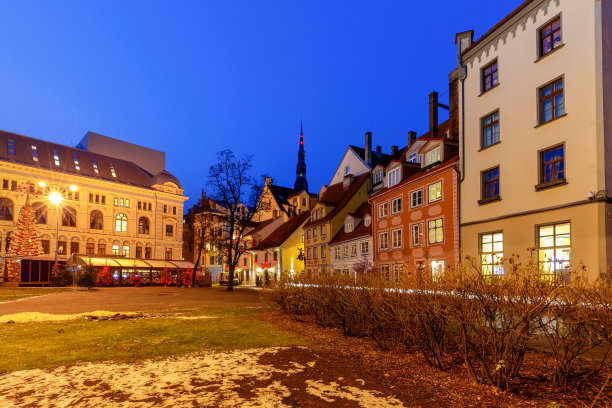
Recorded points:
51,344
7,294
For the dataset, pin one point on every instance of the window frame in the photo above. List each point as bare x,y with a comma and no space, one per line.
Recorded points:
429,200
399,208
380,240
395,175
397,233
495,264
420,236
121,222
539,248
551,97
542,183
484,127
428,155
483,76
484,183
429,241
541,38
383,206
420,190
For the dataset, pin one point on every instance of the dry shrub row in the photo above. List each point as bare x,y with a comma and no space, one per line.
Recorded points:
487,323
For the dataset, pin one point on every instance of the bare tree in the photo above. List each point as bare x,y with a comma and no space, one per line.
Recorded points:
235,190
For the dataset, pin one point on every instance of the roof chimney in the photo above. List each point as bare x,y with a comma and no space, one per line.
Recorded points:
379,149
268,181
453,105
433,115
368,148
411,137
393,150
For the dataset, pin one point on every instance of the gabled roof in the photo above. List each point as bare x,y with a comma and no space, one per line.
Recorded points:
126,172
338,197
281,194
377,158
282,233
360,229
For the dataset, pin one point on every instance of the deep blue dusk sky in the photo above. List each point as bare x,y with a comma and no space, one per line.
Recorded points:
193,77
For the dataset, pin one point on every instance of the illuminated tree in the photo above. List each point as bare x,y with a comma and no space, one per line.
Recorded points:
25,240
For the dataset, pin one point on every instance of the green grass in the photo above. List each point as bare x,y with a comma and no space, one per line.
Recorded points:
7,294
51,344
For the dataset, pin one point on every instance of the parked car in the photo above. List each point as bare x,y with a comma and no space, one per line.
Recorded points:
223,279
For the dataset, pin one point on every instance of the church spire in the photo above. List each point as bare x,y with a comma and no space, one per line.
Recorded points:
300,170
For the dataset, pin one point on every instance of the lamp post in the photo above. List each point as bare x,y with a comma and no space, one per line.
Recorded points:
56,198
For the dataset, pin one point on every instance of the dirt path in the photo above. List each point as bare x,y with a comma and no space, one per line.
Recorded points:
271,377
133,300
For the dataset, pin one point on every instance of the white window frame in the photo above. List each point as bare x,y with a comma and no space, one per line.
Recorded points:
383,209
434,220
417,237
383,237
397,238
365,248
353,250
393,177
396,205
412,196
429,198
378,177
338,252
432,156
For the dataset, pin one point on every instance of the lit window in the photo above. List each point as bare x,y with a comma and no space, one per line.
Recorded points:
491,253
396,205
348,227
436,231
95,166
115,249
437,268
168,254
435,192
121,202
393,177
56,159
121,223
432,156
127,203
354,250
112,170
76,162
554,248
126,251
345,251
34,153
367,220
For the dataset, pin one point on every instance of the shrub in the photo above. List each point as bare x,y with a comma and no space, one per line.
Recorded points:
87,278
65,276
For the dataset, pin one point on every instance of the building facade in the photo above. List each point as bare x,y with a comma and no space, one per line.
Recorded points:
351,248
535,138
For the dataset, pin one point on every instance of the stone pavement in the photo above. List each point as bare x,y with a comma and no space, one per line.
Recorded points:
127,299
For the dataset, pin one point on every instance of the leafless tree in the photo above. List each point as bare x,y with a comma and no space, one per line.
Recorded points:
239,193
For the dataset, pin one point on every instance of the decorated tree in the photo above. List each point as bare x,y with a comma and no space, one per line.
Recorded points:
25,240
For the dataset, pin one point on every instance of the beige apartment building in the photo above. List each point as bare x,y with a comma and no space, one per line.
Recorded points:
116,208
536,137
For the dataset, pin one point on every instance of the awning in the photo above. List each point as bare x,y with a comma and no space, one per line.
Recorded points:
131,262
162,263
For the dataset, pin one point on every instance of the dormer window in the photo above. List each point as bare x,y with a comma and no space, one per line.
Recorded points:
378,177
34,153
11,147
348,226
347,170
112,170
95,166
76,162
432,156
413,158
367,221
56,159
393,177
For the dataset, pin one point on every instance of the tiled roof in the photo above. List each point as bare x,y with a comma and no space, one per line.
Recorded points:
363,209
282,233
281,194
126,172
359,231
337,196
377,158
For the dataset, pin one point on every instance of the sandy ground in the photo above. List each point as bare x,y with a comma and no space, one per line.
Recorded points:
270,377
134,300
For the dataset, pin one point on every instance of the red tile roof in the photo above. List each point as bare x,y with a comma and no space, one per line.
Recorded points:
360,229
282,233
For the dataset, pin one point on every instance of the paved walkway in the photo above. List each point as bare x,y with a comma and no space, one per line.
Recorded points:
134,300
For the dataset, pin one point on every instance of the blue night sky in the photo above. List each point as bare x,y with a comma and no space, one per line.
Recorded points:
193,77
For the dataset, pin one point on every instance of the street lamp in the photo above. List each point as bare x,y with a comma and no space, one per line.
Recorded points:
56,198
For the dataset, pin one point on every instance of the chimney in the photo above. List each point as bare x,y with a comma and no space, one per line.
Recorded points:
453,105
368,148
268,181
463,41
433,114
348,179
393,150
411,137
379,149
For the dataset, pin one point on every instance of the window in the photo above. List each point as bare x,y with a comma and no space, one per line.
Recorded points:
437,268
101,249
148,252
96,220
378,177
308,234
315,253
5,184
384,272
435,231
303,202
168,254
365,248
139,252
34,153
11,147
383,209
112,170
115,249
323,252
393,177
345,251
323,232
490,129
367,220
308,252
337,252
173,210
76,162
416,198
383,240
45,245
165,208
56,159
551,101
74,248
121,202
396,238
125,251
244,262
489,76
315,232
432,156
398,271
348,227
41,212
550,36
127,203
61,247
69,217
95,166
169,230
143,225
103,199
149,206
121,223
416,235
13,185
435,192
552,165
554,247
396,205
347,170
490,184
353,250
491,253
413,158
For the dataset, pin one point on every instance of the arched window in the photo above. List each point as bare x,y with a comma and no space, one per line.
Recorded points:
95,220
69,217
121,223
6,209
143,225
41,212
